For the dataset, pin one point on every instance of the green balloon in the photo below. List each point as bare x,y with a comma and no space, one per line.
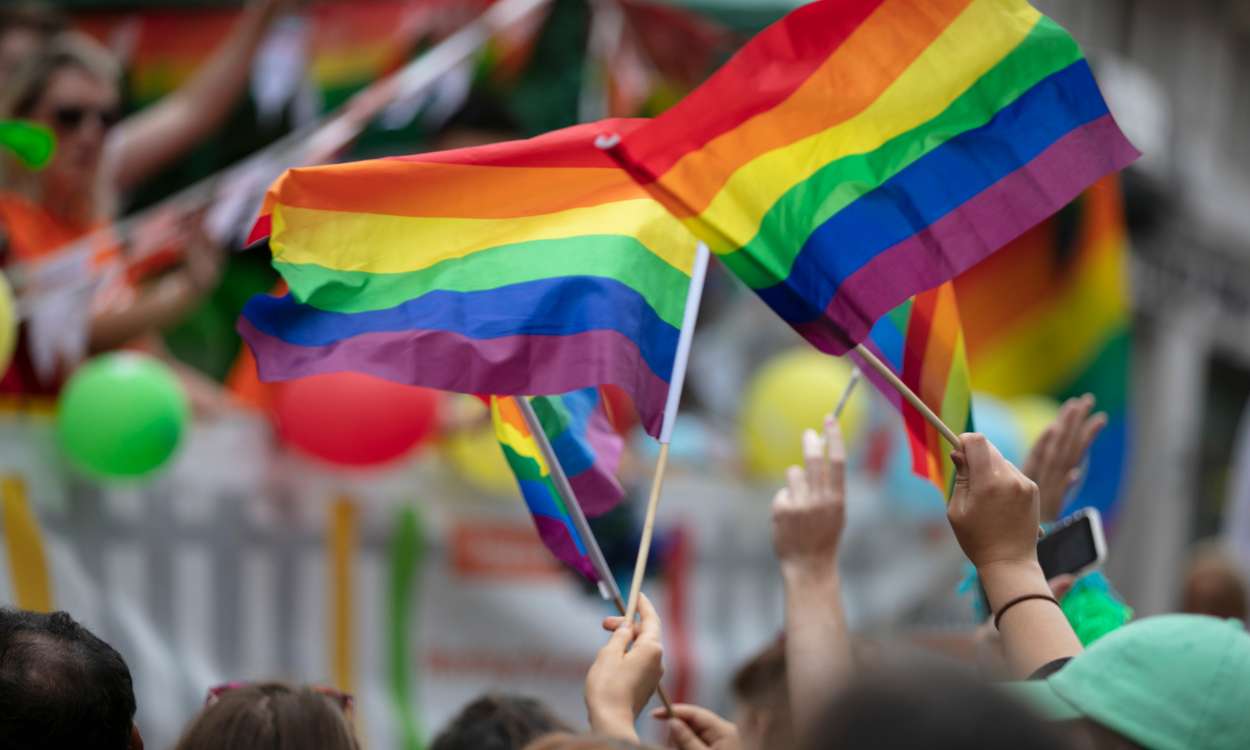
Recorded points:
32,143
121,416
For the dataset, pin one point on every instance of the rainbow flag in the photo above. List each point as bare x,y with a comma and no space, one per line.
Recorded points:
922,341
1065,327
527,267
569,424
858,152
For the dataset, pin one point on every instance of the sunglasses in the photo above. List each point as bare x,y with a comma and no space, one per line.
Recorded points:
344,701
71,117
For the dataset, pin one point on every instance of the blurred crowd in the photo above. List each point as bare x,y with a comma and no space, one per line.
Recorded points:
1029,677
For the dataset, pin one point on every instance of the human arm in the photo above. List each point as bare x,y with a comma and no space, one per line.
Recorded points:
808,518
149,140
625,673
994,514
1054,460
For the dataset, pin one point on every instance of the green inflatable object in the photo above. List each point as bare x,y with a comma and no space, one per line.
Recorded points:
33,144
121,416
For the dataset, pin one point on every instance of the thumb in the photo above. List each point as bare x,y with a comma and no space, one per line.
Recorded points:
684,737
621,638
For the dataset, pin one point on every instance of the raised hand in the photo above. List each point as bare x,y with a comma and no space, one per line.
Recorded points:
1054,460
809,513
625,673
994,510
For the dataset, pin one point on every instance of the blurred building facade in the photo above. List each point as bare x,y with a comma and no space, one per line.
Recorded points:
1177,76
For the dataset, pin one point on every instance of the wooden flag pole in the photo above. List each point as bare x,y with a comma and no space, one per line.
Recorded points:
697,275
876,364
607,581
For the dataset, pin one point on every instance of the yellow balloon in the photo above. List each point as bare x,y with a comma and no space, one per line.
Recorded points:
8,324
789,394
474,452
1032,415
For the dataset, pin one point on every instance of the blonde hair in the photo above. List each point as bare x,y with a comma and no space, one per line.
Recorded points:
66,49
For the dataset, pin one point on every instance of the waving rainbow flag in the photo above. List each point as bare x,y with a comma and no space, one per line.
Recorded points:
858,152
922,341
527,267
588,452
1065,328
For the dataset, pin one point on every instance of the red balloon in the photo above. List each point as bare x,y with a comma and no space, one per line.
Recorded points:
355,420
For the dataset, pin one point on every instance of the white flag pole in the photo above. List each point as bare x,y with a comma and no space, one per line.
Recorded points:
697,276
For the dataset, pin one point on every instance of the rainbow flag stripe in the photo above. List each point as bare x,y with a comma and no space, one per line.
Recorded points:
858,152
528,267
1065,329
570,426
922,340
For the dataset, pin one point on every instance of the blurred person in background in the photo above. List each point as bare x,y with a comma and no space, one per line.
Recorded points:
498,721
272,716
24,28
62,687
761,702
1214,585
565,741
72,86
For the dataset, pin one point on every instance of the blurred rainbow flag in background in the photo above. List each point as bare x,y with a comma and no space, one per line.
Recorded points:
526,267
588,450
858,152
923,343
1051,314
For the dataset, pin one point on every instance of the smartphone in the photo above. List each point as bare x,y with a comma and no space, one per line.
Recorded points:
1074,546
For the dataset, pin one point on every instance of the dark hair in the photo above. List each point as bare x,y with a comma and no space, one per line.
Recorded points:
60,686
498,721
763,697
40,18
928,708
567,741
270,716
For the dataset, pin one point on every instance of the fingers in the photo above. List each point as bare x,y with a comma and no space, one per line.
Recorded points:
1061,585
683,737
619,642
1090,430
707,724
796,485
978,453
837,452
610,624
650,626
815,458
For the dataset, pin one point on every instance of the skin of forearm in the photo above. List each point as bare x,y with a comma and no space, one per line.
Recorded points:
818,647
158,307
1035,632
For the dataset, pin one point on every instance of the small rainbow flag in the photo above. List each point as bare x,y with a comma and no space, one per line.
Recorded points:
588,452
858,152
922,341
527,267
1065,328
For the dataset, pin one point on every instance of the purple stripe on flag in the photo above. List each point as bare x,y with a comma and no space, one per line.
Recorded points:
556,537
970,233
451,362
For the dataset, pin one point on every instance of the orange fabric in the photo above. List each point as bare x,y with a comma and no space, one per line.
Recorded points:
30,233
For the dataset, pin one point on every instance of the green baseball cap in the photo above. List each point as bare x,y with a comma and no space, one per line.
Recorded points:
1172,682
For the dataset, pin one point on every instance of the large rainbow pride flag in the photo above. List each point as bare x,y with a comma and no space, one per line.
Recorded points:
858,152
922,341
527,267
1065,327
588,451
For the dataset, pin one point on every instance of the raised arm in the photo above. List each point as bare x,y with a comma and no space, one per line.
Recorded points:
808,517
1054,460
994,514
149,140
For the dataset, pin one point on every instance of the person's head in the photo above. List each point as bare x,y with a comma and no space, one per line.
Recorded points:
24,28
1214,585
1161,683
924,707
762,711
498,722
71,86
60,686
271,716
567,741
